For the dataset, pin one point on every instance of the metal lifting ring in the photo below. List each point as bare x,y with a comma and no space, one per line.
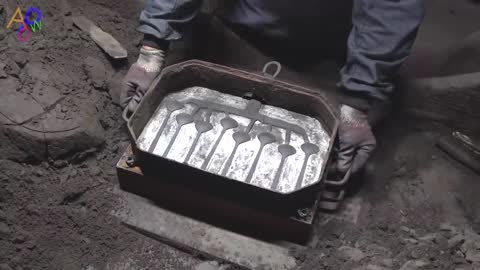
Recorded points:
126,114
277,71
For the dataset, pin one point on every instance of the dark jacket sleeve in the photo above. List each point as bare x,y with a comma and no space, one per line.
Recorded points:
165,19
381,39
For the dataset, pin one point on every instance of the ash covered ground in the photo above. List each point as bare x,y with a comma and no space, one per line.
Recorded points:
62,134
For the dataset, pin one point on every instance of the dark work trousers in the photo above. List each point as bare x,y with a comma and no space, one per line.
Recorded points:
376,35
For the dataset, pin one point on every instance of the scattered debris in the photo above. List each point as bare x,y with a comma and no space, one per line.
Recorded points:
411,232
411,241
413,265
473,255
447,227
429,237
387,262
456,240
95,170
352,253
59,164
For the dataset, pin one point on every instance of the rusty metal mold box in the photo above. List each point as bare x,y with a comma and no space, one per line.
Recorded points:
195,129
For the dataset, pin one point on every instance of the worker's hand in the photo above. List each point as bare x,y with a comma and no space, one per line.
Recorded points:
356,140
140,76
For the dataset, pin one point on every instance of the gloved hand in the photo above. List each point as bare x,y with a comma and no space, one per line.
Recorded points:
139,77
356,140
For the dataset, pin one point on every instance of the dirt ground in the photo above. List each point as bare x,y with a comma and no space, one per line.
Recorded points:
415,209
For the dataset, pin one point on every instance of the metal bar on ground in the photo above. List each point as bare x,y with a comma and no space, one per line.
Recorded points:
178,230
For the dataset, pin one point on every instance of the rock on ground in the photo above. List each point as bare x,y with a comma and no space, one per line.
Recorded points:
456,240
471,246
352,253
413,265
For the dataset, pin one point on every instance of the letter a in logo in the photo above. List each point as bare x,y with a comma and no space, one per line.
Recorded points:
18,13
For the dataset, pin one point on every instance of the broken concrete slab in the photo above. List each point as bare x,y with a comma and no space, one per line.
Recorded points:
106,41
179,230
29,139
46,95
16,106
37,72
95,70
8,149
31,133
71,133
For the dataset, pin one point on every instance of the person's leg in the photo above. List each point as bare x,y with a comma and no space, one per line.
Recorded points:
380,41
167,19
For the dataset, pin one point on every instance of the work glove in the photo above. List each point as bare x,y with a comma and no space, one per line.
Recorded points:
356,140
139,77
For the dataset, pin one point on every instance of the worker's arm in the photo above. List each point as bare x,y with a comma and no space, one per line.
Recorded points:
161,22
381,39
